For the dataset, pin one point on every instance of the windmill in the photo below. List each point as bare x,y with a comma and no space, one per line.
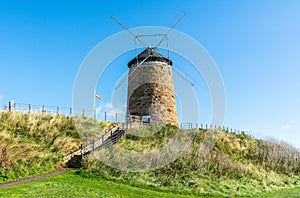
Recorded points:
150,81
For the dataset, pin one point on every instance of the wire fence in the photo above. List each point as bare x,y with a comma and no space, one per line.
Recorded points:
107,116
190,125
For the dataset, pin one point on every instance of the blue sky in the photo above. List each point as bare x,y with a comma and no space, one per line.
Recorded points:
255,44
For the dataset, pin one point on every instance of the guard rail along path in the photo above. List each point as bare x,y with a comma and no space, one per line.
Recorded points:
107,139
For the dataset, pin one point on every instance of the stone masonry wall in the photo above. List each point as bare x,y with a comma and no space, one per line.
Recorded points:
151,92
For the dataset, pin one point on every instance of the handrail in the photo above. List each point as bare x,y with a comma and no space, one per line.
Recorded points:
95,144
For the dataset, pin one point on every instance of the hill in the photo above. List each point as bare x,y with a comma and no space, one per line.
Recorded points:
238,165
31,144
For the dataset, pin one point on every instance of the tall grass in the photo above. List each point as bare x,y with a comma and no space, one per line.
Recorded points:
31,144
237,165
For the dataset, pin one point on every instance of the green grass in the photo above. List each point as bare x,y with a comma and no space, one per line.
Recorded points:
73,185
286,193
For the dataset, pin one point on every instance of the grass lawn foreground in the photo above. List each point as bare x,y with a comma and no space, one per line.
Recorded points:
72,185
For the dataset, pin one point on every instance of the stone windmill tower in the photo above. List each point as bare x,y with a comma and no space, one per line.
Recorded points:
150,82
151,88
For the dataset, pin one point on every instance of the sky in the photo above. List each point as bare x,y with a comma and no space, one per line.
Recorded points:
255,44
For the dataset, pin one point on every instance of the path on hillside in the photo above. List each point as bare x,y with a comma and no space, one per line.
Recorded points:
35,178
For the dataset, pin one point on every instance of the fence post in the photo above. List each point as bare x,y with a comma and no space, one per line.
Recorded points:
43,110
10,106
93,146
82,152
116,117
95,114
57,110
70,111
29,109
83,112
105,116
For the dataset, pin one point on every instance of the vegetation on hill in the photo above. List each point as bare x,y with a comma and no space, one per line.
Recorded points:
237,165
31,144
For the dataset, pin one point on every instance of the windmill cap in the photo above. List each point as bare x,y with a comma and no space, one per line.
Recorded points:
149,54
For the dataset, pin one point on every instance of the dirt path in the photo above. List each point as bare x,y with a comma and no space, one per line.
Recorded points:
35,178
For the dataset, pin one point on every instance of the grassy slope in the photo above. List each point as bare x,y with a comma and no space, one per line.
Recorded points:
35,144
238,165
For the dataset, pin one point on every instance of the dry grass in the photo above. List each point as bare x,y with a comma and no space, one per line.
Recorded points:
34,143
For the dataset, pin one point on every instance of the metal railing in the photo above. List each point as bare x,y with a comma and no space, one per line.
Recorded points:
107,116
108,138
190,125
99,142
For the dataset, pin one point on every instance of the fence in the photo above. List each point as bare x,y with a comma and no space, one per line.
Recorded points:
189,125
106,116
